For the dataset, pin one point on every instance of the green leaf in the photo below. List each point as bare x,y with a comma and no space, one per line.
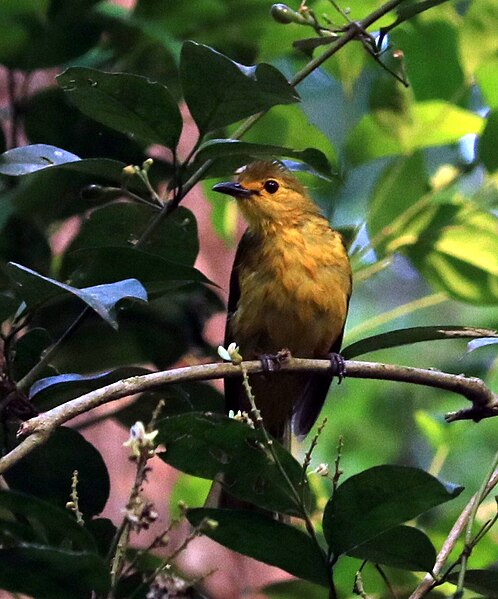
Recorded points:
429,123
190,490
35,289
266,540
295,589
399,186
41,34
484,582
219,91
28,349
228,148
8,306
413,335
488,142
188,397
402,547
29,159
378,499
47,471
128,103
487,77
445,78
52,391
120,224
442,256
103,531
52,525
96,265
208,445
478,25
49,573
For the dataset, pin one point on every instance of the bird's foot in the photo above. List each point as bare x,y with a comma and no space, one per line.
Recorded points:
338,365
272,362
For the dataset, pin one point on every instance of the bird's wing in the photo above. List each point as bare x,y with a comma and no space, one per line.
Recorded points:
308,407
233,386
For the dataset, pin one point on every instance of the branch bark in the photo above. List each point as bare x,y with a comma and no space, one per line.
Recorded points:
38,429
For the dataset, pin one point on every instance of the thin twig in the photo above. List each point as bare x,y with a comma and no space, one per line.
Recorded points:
431,580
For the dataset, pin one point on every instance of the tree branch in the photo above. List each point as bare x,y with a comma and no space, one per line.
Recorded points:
38,429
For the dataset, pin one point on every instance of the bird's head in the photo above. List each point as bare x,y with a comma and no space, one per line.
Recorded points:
268,195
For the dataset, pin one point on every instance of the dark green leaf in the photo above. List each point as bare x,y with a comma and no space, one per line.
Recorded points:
208,445
52,391
29,159
219,91
28,350
103,531
52,525
488,142
266,540
96,265
47,471
128,103
41,34
49,573
188,397
223,148
120,225
35,289
402,547
484,582
413,335
8,306
378,499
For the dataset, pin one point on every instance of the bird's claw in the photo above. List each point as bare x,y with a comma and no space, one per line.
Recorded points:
338,365
272,362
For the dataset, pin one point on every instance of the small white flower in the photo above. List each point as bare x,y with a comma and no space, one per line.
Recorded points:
230,354
322,470
140,439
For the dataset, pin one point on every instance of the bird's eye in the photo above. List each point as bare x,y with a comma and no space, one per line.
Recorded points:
271,186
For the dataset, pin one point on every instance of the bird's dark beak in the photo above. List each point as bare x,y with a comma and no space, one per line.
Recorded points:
235,190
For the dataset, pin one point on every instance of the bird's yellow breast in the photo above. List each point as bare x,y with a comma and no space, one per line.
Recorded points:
294,290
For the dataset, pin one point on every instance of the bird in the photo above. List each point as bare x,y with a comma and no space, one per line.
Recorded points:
290,287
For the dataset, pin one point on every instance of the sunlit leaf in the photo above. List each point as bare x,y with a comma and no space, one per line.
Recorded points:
430,123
